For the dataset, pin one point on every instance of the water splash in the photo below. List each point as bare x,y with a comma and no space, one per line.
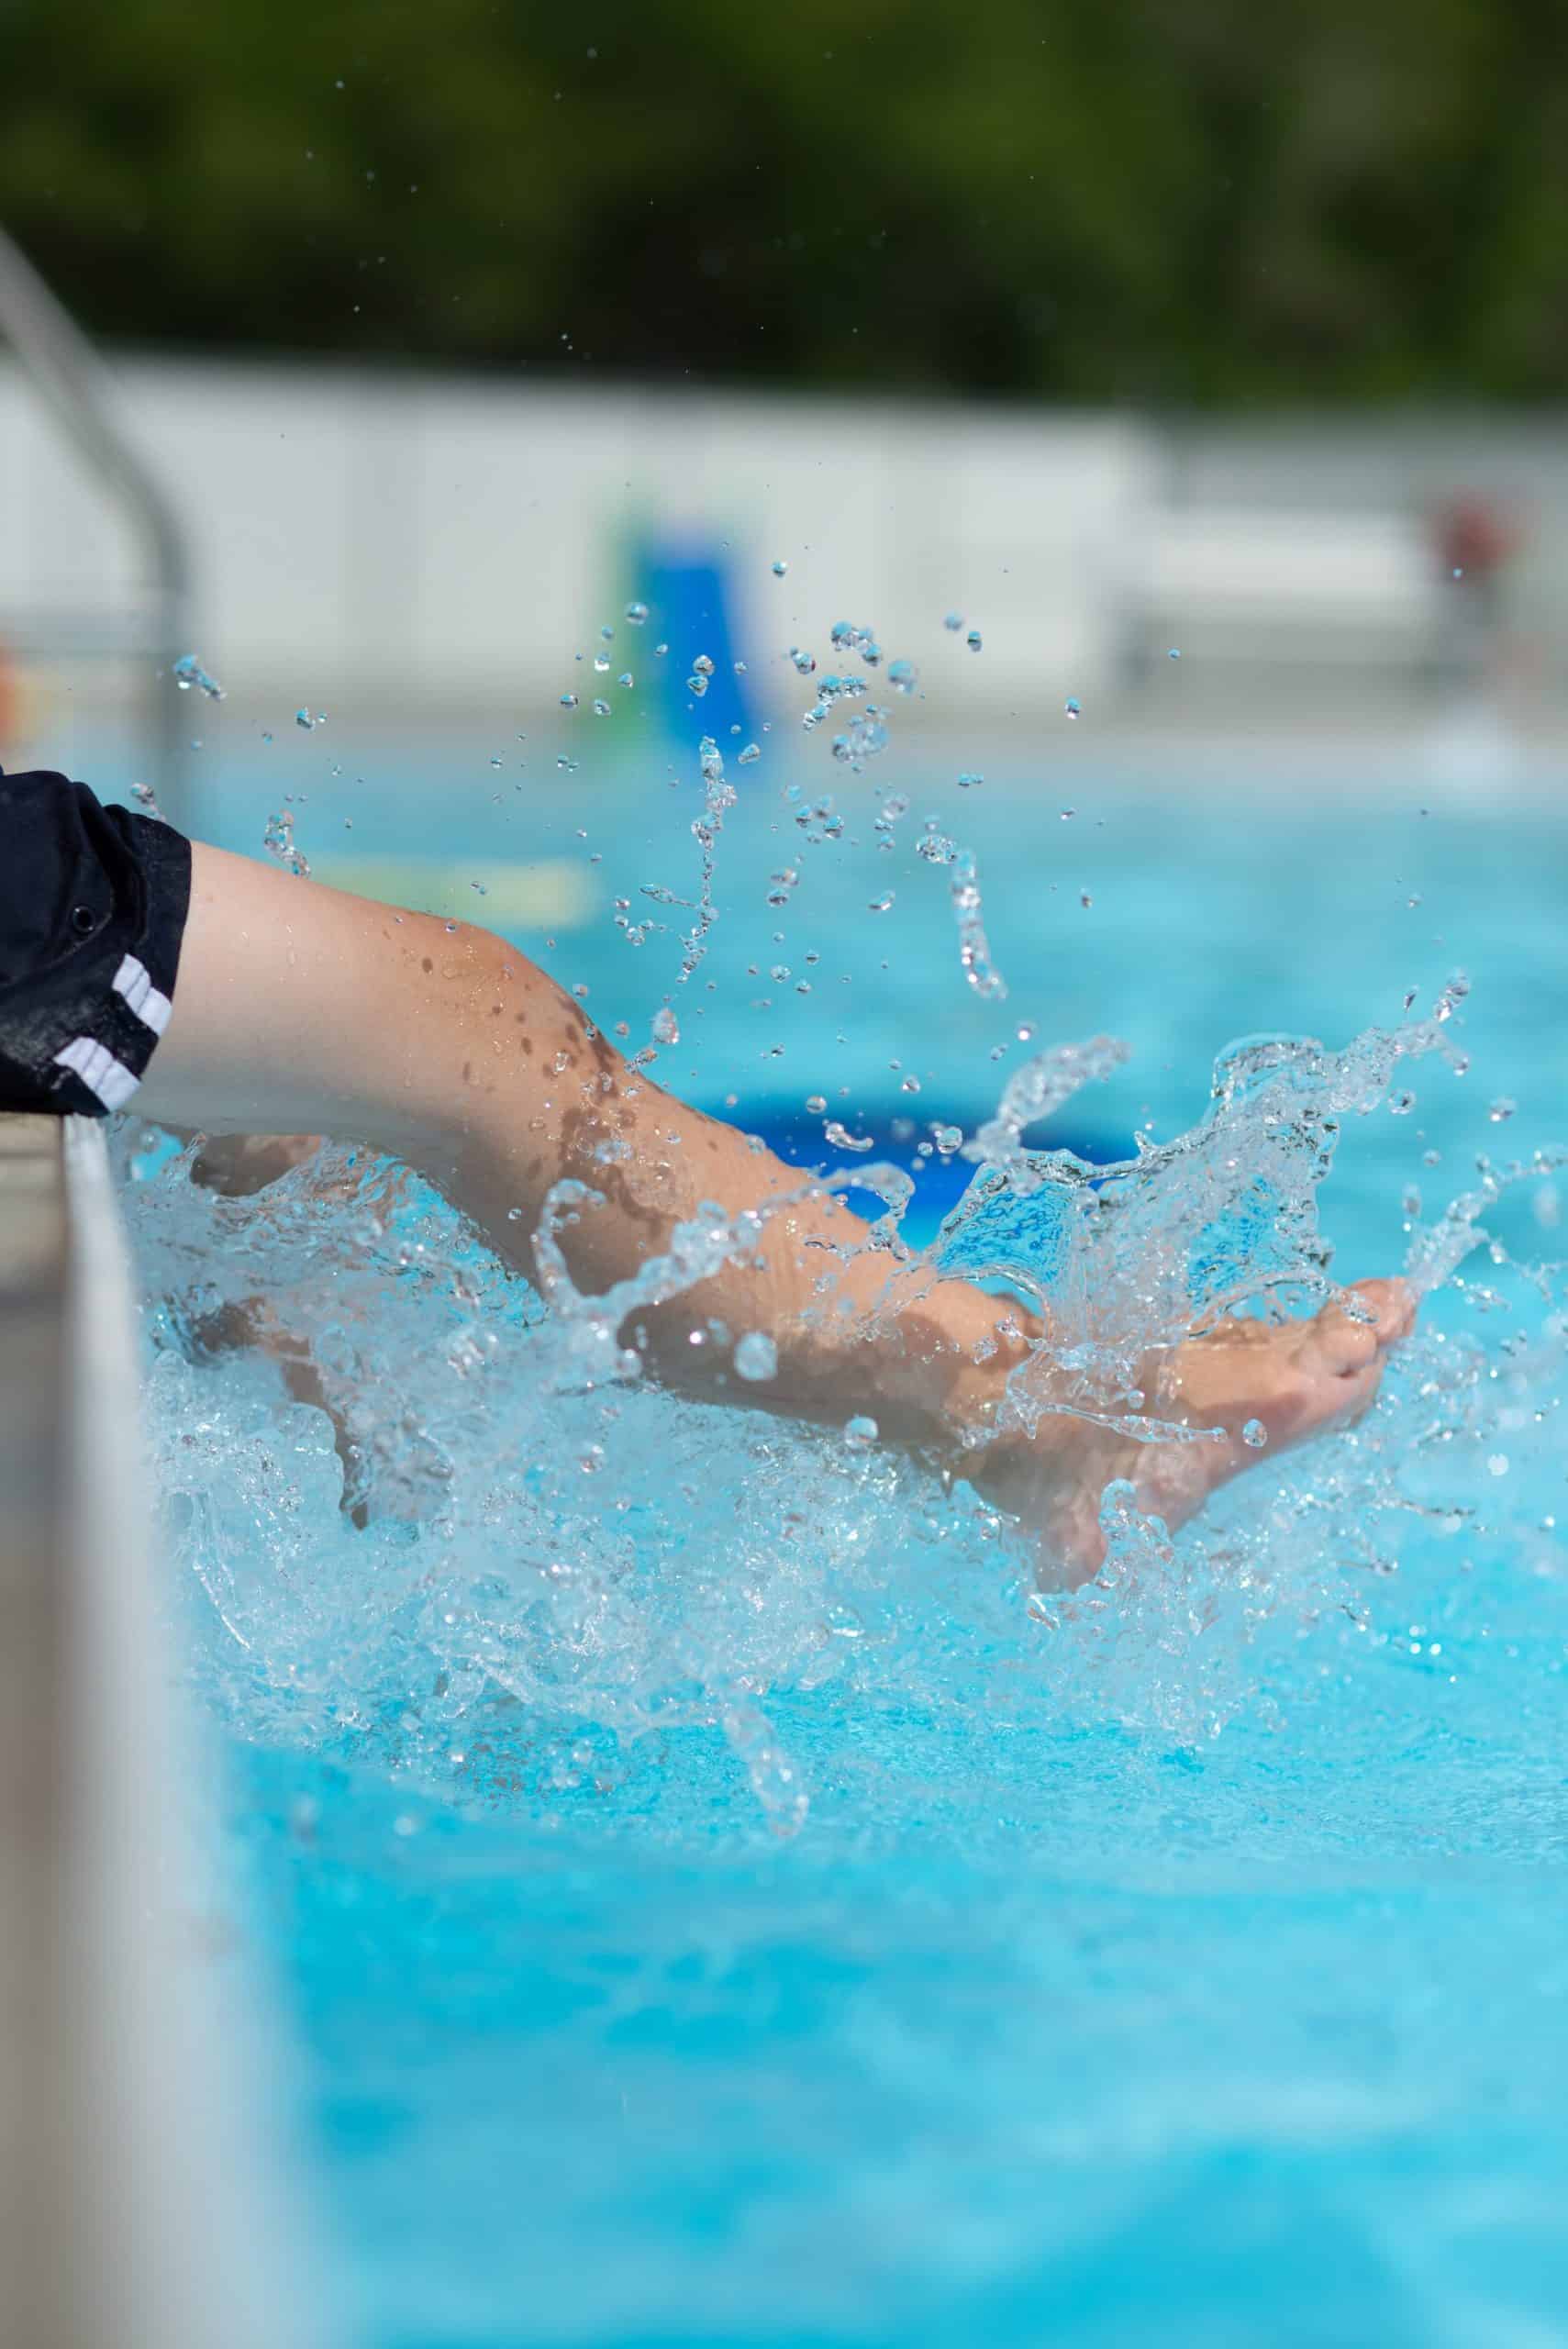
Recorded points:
413,1560
718,797
279,843
447,1513
974,946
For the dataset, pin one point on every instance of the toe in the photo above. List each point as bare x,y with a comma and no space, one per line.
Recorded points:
1392,1305
1344,1344
1338,1344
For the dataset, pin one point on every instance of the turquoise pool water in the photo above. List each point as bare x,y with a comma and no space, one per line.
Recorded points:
774,1930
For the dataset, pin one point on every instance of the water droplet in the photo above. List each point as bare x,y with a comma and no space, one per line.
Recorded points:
666,1028
601,709
514,1215
607,634
1500,1110
568,701
696,684
805,661
780,567
973,639
660,651
303,717
626,680
749,755
636,615
860,1432
1084,899
703,664
188,672
954,621
265,736
495,762
602,663
816,1103
1255,1435
278,841
756,1356
970,782
881,905
903,676
1073,707
840,1138
948,1139
1400,1104
1175,652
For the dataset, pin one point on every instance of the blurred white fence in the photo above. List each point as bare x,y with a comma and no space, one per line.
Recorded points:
408,541
460,541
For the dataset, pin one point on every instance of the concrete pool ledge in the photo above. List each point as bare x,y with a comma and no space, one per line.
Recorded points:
141,2194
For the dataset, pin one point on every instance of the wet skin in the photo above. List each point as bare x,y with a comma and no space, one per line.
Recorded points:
444,1046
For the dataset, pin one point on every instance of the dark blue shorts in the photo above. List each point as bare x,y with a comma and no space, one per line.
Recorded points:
92,905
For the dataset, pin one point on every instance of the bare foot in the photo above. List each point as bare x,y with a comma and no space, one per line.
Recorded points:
1280,1382
238,1164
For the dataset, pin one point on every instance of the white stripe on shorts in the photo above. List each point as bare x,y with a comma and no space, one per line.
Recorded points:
134,981
99,1071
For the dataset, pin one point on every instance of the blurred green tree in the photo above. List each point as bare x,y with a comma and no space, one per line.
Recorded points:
1139,200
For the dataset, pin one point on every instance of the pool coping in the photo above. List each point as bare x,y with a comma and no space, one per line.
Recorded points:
143,2199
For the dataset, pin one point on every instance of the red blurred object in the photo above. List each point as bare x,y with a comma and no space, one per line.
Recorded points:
1474,536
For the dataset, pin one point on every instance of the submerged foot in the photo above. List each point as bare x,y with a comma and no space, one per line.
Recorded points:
1248,1389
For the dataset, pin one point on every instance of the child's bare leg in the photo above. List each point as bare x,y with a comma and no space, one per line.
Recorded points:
302,1009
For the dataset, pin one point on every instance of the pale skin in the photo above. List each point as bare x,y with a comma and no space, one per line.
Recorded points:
301,1009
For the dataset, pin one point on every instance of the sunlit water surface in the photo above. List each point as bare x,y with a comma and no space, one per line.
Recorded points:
716,1897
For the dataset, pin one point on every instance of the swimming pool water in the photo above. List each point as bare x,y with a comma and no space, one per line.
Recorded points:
1182,1969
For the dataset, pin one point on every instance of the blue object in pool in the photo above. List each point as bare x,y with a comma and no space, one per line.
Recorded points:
690,602
939,1180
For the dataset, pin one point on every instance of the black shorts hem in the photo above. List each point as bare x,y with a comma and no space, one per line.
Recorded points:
93,902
